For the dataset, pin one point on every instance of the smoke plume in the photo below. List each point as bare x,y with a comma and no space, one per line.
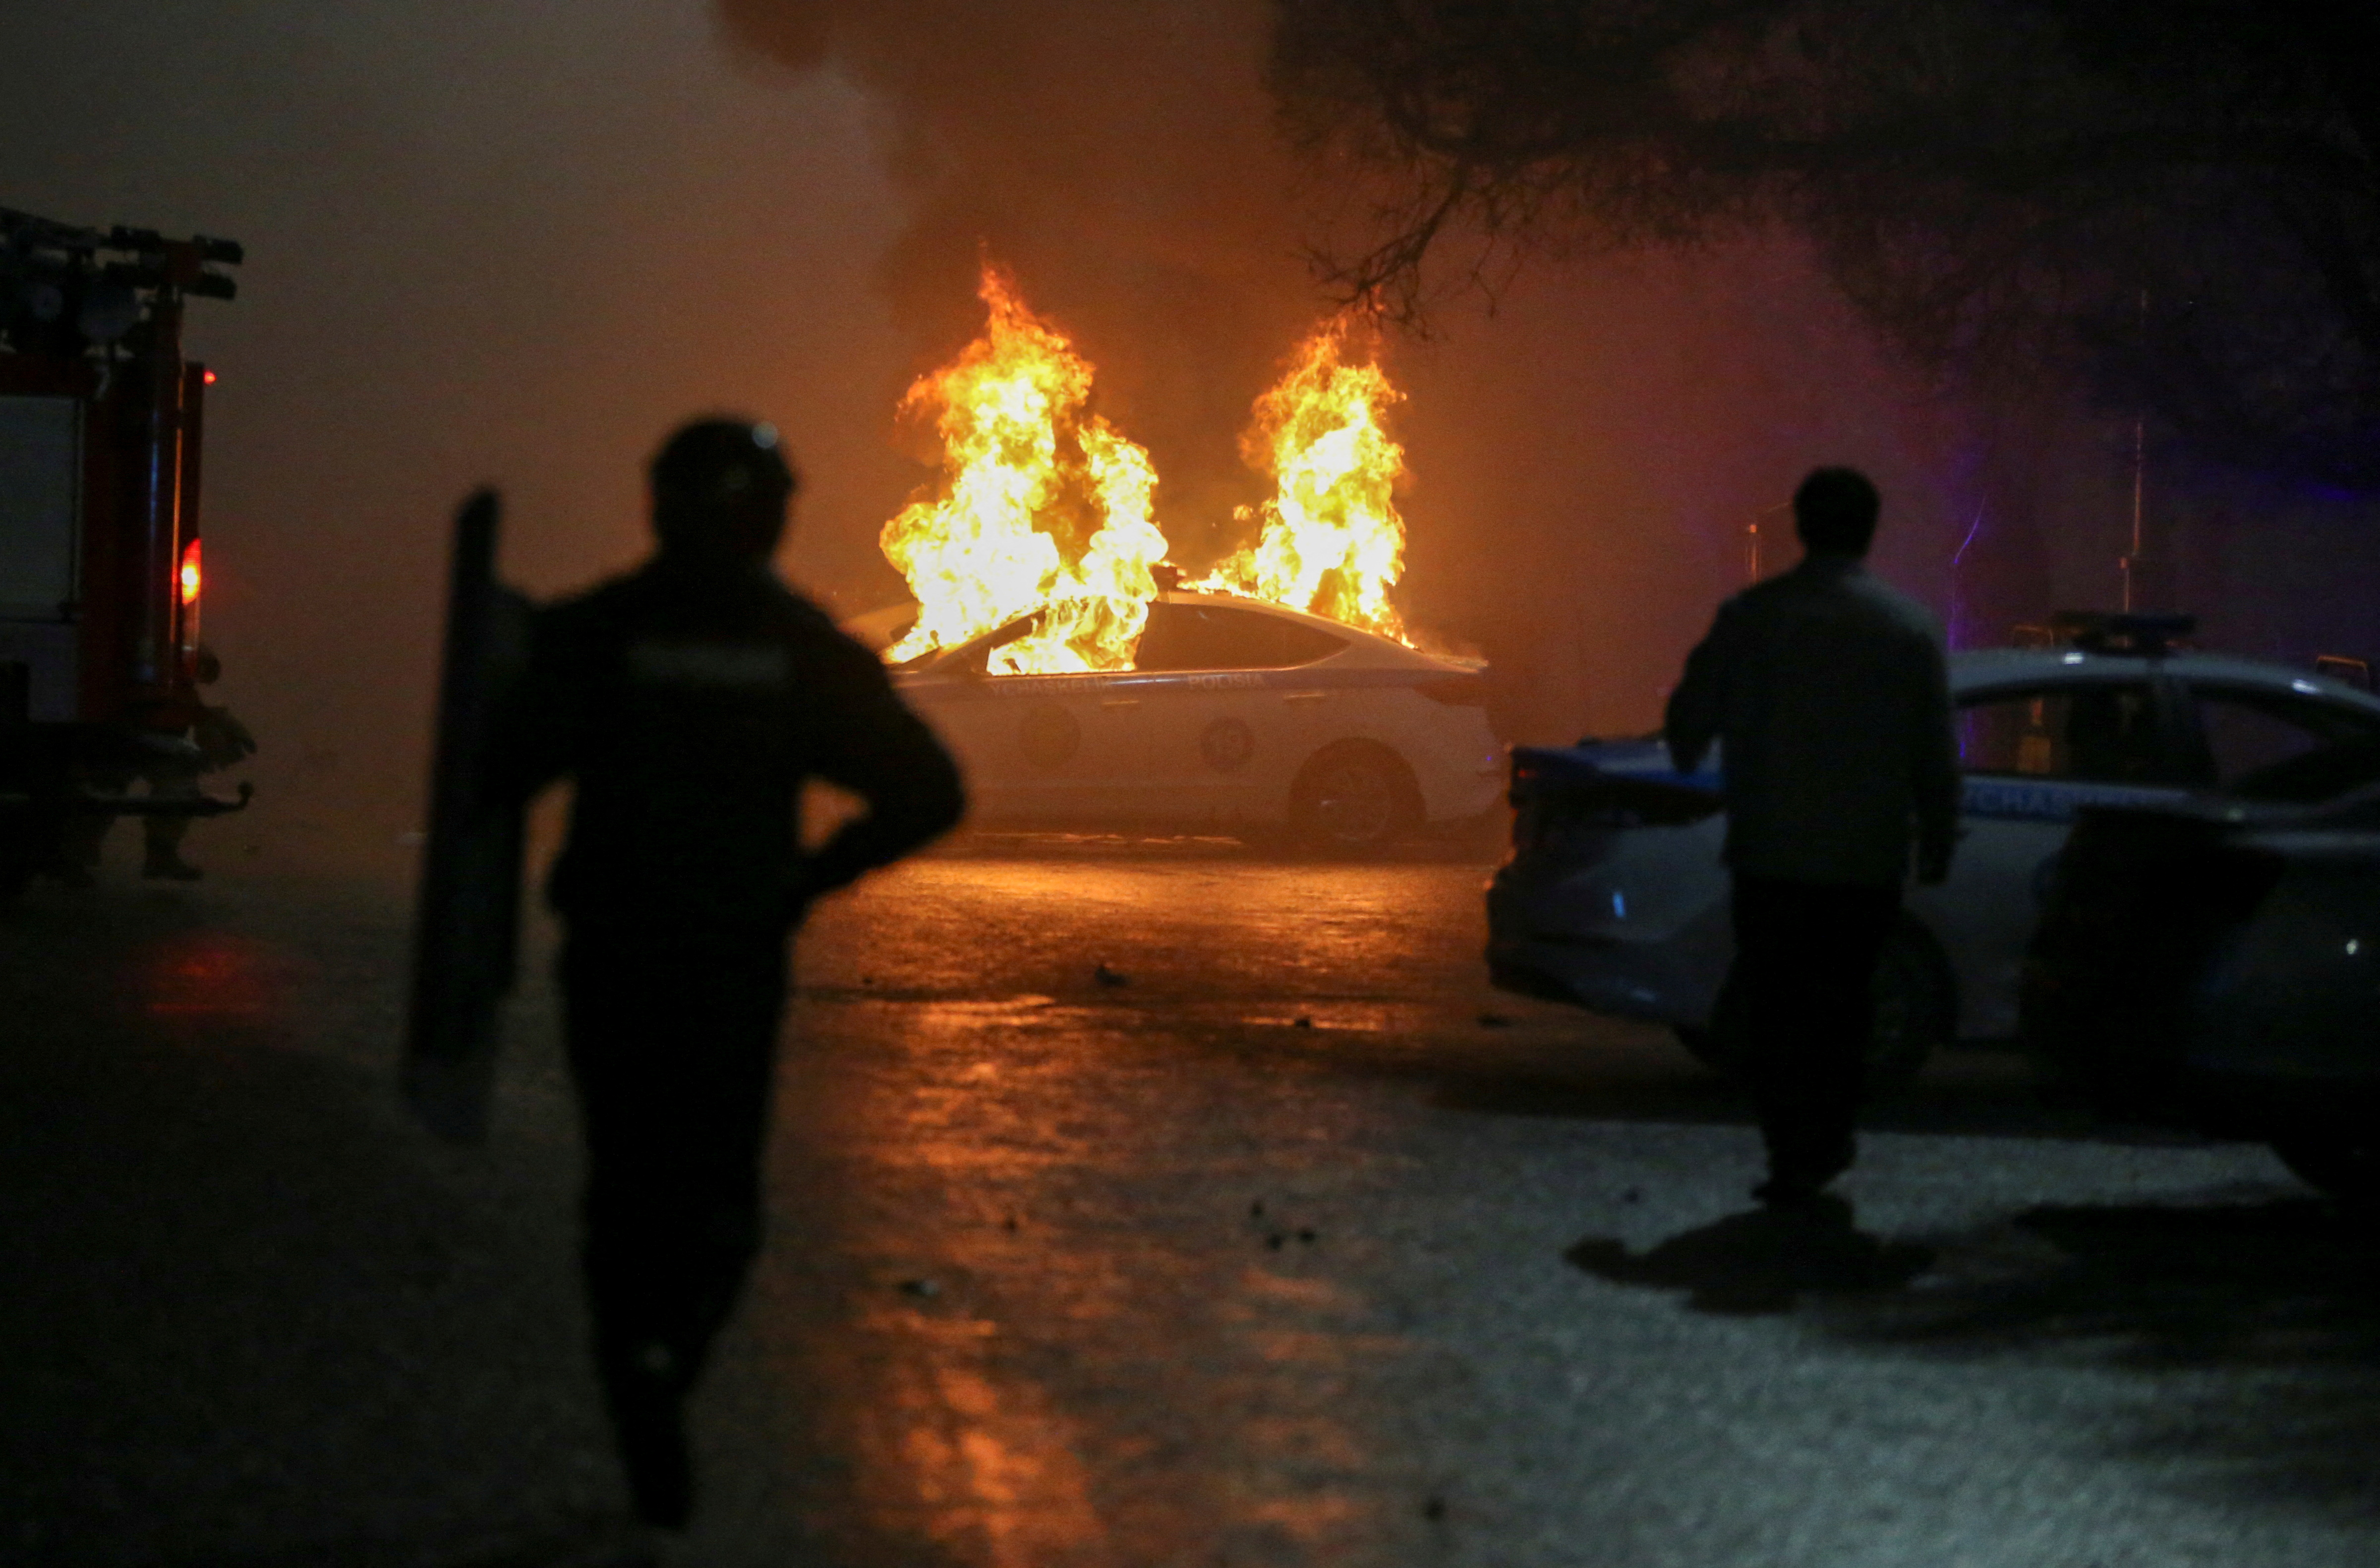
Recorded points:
1121,161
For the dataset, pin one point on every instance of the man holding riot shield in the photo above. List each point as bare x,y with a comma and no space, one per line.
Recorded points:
688,701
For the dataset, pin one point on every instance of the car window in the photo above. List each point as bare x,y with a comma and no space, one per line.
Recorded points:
2275,745
2096,734
1222,637
973,658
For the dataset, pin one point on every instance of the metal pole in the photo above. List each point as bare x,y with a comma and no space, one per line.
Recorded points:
2131,561
2140,484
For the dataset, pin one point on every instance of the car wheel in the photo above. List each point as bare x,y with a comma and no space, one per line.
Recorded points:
1913,1014
1352,797
2346,1167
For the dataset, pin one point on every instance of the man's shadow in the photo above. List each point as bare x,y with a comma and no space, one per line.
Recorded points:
1762,1261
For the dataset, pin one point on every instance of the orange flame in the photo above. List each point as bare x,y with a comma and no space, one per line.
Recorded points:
1045,507
1332,542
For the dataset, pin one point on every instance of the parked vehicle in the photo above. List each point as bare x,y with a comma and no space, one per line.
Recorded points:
1614,896
1238,717
100,581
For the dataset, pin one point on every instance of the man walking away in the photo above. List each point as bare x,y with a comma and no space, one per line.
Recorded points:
1828,694
688,700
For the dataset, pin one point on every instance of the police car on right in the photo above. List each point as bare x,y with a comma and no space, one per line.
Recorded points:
1615,898
2213,962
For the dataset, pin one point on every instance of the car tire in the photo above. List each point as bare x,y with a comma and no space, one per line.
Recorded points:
2345,1166
1354,797
1914,1015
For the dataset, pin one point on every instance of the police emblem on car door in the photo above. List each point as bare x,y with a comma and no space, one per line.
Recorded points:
1227,744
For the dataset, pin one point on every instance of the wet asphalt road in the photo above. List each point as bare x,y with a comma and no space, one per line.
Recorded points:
1286,1241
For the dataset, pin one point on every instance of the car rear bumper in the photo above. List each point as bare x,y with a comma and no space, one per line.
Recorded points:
1537,945
1624,979
1452,797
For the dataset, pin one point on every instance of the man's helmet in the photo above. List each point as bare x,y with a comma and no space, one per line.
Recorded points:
722,482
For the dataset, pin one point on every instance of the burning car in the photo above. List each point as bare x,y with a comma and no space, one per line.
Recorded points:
1234,716
1614,896
1084,682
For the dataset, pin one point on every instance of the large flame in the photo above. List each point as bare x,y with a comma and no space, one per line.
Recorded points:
1332,542
1045,507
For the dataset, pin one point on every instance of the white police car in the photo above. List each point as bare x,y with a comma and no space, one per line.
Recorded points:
1239,717
1614,896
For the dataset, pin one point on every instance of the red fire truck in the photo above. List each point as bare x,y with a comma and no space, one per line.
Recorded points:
101,577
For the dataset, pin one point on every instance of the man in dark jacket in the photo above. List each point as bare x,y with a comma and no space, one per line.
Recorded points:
1829,695
688,701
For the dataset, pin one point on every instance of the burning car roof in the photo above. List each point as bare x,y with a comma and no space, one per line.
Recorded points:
882,629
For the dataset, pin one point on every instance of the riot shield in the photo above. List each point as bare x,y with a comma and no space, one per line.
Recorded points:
467,916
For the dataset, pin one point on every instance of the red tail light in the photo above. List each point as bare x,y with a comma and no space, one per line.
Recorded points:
189,573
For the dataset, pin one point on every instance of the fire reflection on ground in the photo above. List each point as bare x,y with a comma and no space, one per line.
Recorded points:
1086,1305
1126,1271
966,1458
200,973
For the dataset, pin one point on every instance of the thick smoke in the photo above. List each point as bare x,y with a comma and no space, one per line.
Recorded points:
485,243
1587,455
503,243
1121,160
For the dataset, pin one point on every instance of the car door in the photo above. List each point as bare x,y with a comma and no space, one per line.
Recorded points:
2032,755
2269,743
1051,750
1226,720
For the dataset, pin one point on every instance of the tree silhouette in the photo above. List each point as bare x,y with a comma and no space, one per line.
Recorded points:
2177,201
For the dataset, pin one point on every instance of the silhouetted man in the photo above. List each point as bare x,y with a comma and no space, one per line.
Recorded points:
1827,693
688,701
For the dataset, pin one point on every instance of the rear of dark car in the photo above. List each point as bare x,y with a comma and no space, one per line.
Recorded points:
1613,897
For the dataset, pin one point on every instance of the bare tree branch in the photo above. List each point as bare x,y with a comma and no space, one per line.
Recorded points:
1995,183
